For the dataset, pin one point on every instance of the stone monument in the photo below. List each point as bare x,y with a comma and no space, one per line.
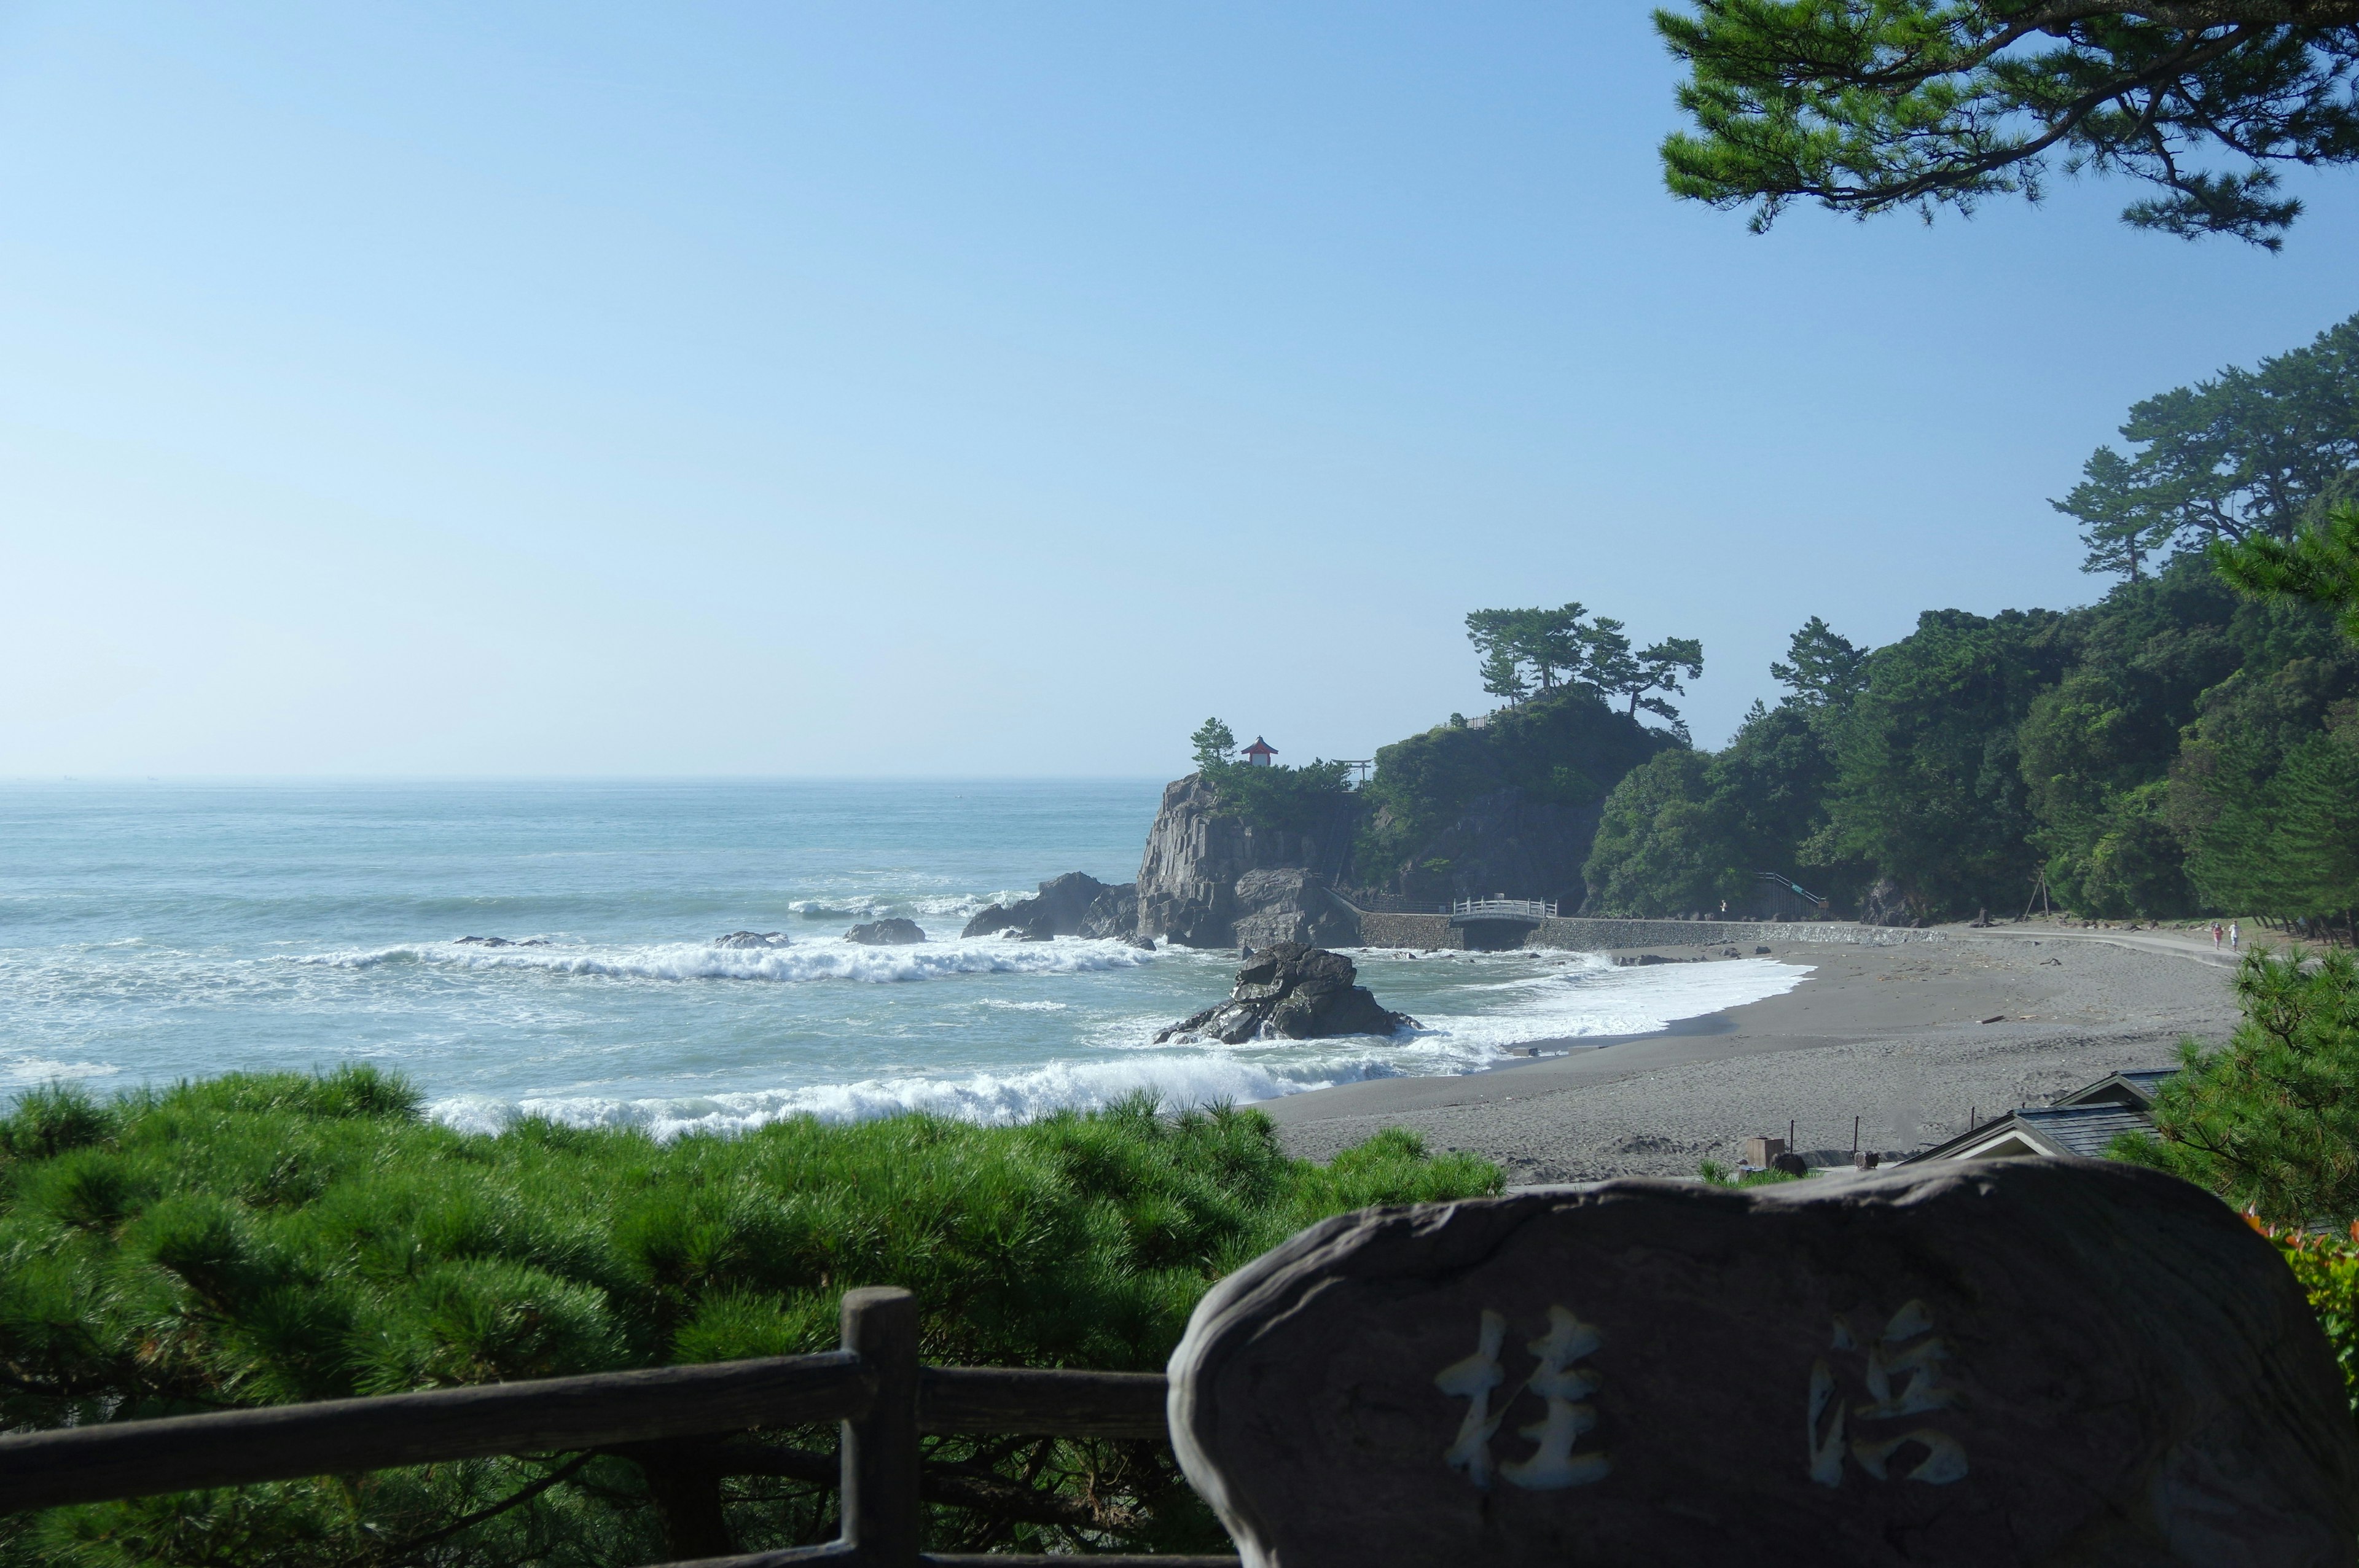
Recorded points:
2005,1362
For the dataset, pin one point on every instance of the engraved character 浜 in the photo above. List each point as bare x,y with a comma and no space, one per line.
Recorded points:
1904,1379
1562,1387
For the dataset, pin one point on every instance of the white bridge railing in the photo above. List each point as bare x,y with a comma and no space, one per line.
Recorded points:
1503,909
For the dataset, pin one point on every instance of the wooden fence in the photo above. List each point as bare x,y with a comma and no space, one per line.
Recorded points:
873,1385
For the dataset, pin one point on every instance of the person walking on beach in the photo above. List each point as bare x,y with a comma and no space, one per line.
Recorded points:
2232,935
2215,937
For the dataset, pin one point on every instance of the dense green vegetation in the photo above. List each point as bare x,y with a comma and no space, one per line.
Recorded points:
2247,457
2176,748
250,1240
1575,687
1910,105
2270,1120
1270,795
1565,749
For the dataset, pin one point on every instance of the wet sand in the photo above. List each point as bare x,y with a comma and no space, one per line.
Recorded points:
1892,1036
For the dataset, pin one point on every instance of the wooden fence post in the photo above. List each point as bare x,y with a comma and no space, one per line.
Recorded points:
880,1449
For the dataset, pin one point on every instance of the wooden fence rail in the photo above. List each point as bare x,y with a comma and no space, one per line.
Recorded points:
873,1385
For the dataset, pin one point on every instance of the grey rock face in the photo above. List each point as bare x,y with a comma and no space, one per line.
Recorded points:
1290,905
997,919
2044,1362
1112,914
895,932
752,939
1075,905
1886,904
1190,879
1296,993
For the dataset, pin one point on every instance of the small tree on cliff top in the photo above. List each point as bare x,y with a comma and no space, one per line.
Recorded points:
1559,649
1213,741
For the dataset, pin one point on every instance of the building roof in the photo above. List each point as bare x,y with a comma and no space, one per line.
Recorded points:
2085,1121
1261,746
2136,1087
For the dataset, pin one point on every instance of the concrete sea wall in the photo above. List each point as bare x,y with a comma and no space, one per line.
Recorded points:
1589,936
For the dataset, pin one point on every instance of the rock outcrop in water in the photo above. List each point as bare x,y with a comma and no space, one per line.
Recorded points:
1075,905
891,932
500,942
1293,992
736,939
1215,881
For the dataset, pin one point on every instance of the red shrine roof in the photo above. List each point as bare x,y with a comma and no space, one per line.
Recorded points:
1261,747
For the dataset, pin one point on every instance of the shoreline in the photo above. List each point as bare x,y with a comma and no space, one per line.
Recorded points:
1891,1034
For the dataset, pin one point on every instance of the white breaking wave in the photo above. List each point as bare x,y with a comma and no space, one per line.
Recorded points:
803,961
17,1071
960,907
1593,996
1588,998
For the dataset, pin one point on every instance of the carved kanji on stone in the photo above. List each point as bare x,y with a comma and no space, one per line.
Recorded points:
1559,1384
1906,1349
2084,1362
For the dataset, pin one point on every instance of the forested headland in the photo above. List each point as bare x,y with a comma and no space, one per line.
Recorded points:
2179,747
2187,744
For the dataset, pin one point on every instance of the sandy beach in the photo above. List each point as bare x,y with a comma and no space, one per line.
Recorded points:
1893,1035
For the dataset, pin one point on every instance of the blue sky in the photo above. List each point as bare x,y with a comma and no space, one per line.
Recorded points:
435,390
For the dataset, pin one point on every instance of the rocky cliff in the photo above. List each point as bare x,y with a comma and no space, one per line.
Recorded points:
1214,881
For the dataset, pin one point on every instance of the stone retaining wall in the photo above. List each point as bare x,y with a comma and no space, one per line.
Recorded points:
1409,931
1591,936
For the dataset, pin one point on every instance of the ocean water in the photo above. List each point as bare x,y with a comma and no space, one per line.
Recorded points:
159,931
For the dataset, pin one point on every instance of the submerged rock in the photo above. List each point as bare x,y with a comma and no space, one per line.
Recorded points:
752,939
501,942
1294,993
892,932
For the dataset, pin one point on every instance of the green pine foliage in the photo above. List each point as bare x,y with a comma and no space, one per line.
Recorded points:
1930,787
1564,750
1274,796
2244,462
1668,843
1909,106
2270,1120
251,1241
1689,828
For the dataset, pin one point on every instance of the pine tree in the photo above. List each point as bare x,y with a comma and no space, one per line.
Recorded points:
2270,1120
1213,741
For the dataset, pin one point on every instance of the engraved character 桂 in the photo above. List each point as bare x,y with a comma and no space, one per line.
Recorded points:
1562,1387
1554,1464
1472,1380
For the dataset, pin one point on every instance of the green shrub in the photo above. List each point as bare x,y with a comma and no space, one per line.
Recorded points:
2327,1269
1288,799
2270,1120
255,1239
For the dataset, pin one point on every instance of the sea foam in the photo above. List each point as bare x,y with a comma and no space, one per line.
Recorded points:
1586,998
803,961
